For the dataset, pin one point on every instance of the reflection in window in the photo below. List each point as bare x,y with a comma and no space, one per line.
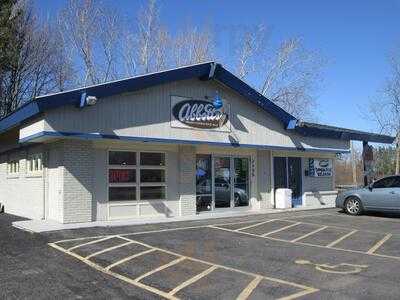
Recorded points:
203,182
241,191
122,158
152,175
122,193
152,192
152,159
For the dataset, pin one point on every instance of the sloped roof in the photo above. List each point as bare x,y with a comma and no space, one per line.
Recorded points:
203,71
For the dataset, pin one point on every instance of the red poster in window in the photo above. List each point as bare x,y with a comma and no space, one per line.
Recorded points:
116,176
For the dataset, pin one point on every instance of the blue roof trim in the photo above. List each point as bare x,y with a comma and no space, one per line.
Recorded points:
24,113
73,97
204,71
97,136
326,131
230,80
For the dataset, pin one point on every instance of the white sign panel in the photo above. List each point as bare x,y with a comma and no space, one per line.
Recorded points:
320,167
199,114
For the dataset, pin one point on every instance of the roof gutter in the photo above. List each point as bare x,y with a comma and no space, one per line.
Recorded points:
325,131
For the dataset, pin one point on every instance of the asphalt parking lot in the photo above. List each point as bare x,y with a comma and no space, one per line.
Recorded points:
321,254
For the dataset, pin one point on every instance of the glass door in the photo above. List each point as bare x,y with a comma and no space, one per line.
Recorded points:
287,174
203,182
241,182
222,182
294,176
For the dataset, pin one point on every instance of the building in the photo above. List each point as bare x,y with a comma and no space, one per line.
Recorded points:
171,143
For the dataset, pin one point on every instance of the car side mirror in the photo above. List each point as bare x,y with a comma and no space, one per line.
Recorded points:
370,187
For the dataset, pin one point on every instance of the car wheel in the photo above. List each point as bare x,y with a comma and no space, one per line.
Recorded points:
353,206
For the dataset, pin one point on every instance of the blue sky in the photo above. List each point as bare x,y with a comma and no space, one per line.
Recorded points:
355,36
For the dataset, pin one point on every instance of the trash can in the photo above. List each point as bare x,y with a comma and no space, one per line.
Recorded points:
283,198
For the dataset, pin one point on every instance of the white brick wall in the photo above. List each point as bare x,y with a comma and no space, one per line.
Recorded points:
187,180
22,194
78,168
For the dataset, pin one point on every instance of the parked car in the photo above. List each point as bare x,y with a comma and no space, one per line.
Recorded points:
382,195
222,193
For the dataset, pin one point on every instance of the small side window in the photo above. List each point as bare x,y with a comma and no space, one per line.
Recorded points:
13,167
396,183
34,163
384,183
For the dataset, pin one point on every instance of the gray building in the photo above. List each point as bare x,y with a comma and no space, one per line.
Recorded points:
176,143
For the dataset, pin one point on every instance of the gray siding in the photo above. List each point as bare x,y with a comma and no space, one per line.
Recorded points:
264,178
147,114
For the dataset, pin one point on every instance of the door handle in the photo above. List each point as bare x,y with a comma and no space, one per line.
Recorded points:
393,192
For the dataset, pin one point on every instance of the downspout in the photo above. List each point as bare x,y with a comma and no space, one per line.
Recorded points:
44,164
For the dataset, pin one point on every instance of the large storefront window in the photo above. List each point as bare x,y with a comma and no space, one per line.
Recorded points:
221,182
136,176
241,181
203,183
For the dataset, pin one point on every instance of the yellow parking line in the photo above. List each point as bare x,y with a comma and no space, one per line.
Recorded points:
281,229
192,280
174,262
300,294
307,289
254,225
129,258
308,244
249,289
379,244
141,285
91,242
341,239
308,234
109,249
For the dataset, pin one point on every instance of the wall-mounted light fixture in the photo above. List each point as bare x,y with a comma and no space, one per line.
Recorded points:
87,100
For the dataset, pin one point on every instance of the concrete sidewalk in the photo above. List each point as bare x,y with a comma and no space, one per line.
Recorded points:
38,226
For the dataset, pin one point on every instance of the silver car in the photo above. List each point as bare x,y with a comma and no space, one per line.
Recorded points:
382,195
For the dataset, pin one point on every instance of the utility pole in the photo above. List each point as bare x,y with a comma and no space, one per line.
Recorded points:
353,163
398,153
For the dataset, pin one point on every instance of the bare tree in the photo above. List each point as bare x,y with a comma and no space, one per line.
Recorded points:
192,46
250,47
385,110
94,32
80,21
289,75
109,39
152,39
32,55
129,53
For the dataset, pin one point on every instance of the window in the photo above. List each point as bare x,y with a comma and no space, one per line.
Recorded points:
152,159
13,167
34,163
136,176
152,176
122,158
388,182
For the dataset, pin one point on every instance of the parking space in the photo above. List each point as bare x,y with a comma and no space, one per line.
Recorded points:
321,235
300,255
175,276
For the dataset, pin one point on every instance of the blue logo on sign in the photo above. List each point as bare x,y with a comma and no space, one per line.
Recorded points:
217,101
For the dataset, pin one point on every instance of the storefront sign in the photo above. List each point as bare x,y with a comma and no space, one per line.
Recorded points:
320,167
199,114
